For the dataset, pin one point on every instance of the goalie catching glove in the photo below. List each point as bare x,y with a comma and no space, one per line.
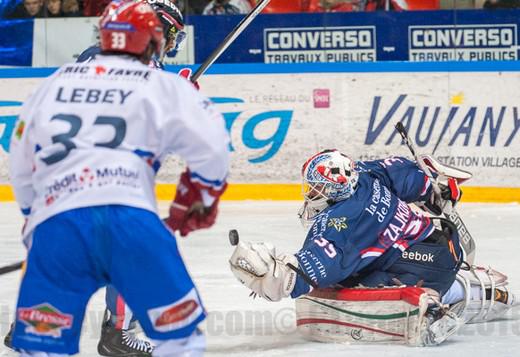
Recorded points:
194,206
257,266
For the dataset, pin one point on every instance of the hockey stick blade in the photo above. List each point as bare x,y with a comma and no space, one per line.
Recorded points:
10,268
217,52
466,240
234,239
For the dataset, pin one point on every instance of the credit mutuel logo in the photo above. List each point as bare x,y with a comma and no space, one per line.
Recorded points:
463,43
320,44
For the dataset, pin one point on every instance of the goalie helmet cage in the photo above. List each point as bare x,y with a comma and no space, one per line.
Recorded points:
386,315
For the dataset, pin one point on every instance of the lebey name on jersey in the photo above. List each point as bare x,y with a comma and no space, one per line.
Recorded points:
92,95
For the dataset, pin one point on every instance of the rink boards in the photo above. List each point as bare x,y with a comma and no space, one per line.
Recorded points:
277,115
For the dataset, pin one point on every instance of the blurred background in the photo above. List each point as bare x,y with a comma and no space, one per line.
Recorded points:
45,33
307,75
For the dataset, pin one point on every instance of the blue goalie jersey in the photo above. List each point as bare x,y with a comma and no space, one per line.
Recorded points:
370,230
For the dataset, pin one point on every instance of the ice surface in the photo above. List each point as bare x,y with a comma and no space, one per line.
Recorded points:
240,326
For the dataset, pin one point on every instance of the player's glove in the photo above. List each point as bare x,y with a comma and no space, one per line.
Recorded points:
446,197
186,73
188,211
257,266
446,191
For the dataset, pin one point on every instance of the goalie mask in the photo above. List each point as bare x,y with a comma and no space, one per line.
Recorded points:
328,177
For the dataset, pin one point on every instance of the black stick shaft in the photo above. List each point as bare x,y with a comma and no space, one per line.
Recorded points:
9,268
304,276
404,134
409,143
466,240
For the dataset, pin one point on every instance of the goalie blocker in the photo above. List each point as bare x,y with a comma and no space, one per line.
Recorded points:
386,315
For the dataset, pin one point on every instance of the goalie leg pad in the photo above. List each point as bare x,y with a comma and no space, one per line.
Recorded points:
486,295
387,315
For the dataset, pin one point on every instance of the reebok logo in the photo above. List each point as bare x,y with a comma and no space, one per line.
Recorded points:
418,257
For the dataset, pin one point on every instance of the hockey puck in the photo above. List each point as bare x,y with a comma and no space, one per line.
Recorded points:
233,237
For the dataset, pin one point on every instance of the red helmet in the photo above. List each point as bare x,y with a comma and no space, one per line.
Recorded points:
129,26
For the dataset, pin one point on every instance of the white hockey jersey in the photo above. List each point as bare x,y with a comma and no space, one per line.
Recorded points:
95,134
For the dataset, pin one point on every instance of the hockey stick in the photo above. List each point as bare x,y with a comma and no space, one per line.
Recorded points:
229,39
234,239
9,268
467,241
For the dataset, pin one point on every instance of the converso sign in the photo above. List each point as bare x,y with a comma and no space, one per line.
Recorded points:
320,44
463,43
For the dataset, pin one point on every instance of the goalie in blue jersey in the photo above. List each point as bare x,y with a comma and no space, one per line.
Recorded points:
365,232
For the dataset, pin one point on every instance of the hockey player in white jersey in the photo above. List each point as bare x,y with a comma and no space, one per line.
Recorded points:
89,143
117,337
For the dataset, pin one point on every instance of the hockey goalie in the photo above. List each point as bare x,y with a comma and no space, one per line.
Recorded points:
374,267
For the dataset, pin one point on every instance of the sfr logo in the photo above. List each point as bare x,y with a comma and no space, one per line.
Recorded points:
321,98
